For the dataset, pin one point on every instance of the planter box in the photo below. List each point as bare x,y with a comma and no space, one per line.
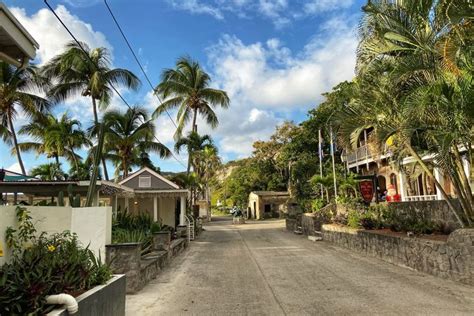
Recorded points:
107,299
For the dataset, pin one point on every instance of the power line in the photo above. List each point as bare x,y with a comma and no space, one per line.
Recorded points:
111,85
136,59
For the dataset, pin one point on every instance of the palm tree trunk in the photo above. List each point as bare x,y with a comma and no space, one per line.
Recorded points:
194,120
56,158
96,120
15,143
438,185
74,159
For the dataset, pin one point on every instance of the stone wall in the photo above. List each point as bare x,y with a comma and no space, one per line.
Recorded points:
127,259
453,259
434,211
312,223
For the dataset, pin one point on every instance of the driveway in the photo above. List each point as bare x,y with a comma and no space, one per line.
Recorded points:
261,269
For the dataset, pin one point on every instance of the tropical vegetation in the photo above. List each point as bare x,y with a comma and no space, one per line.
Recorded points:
45,265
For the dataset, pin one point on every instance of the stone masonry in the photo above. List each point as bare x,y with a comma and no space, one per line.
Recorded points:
453,259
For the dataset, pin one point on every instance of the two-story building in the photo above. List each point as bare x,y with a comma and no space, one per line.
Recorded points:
409,180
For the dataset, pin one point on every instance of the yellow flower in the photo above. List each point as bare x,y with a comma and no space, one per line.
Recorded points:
51,248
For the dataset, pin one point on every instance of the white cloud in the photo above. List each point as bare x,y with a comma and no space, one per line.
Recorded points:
267,81
51,35
317,6
280,12
197,7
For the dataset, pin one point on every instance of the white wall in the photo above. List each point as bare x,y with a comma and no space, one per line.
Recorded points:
93,225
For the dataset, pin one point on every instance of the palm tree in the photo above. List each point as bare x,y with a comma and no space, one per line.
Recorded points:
50,172
85,71
193,143
55,138
187,88
206,162
126,138
17,92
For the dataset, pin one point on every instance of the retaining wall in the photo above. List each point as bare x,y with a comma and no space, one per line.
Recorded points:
453,259
432,211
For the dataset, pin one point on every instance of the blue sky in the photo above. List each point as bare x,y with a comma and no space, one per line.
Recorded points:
273,57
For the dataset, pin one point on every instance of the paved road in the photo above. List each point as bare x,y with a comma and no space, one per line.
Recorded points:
260,269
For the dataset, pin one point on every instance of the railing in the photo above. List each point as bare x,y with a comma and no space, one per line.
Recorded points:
359,154
190,226
420,198
362,153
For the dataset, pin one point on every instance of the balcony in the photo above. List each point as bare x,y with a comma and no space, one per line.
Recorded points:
363,153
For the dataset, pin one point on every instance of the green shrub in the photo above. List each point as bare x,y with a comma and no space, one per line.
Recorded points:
353,219
317,204
50,265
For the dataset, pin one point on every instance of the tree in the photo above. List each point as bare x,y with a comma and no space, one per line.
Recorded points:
187,88
17,92
81,70
126,136
193,143
53,137
49,172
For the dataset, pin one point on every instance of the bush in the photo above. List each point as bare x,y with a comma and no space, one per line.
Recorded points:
45,265
317,204
353,219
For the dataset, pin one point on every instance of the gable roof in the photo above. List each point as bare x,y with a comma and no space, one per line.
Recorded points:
153,173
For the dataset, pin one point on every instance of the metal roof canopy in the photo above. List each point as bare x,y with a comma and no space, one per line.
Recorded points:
17,46
52,188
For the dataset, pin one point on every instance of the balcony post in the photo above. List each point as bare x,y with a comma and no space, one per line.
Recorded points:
402,186
439,177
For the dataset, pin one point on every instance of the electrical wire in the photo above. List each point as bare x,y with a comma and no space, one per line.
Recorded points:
136,58
110,84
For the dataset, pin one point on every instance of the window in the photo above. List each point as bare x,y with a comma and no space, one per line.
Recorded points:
144,181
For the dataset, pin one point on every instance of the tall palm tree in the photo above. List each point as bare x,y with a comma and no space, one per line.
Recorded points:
54,137
193,143
81,70
187,88
17,93
126,137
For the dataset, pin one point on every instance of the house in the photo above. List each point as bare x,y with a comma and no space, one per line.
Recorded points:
266,204
411,183
142,191
164,200
17,46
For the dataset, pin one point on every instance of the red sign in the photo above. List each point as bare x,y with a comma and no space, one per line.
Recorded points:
366,188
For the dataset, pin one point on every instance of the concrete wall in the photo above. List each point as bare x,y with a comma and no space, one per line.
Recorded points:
107,299
453,259
93,225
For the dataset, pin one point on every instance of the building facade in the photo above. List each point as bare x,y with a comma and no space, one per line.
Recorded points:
409,180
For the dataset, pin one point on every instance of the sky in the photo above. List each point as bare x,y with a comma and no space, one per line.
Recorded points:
273,57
